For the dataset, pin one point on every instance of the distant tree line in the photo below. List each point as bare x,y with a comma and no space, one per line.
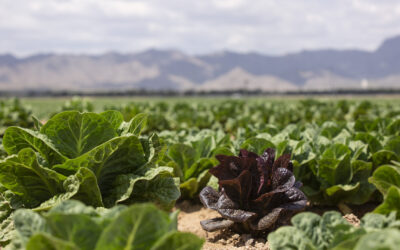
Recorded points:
172,93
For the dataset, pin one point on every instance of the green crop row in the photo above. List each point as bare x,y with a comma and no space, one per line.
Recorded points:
344,153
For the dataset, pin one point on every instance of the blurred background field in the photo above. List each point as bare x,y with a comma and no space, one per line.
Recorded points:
42,107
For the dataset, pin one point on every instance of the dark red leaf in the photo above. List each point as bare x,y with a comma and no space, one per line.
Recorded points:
209,197
255,191
238,189
282,162
216,224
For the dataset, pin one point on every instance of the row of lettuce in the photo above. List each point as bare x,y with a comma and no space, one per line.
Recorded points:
225,114
104,161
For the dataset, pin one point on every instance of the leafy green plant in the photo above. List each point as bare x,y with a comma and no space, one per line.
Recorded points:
3,152
192,162
338,176
333,166
78,104
387,180
14,113
96,158
72,225
255,194
331,231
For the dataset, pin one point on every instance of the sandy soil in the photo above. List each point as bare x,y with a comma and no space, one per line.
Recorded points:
191,214
189,221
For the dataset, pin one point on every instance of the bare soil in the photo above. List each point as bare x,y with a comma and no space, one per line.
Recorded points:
192,213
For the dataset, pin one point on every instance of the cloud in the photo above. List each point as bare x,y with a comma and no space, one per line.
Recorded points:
272,27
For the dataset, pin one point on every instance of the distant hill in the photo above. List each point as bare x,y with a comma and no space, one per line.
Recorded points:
168,69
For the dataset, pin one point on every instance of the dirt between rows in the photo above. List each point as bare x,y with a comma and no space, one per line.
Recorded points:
192,213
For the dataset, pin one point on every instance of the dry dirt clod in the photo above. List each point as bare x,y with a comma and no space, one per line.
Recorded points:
249,242
352,219
260,246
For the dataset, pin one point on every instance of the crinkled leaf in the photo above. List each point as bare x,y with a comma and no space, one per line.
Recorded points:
156,185
373,221
81,186
16,139
138,227
289,238
268,220
115,118
120,155
24,176
388,239
257,190
134,126
6,230
74,133
209,197
79,229
153,148
27,223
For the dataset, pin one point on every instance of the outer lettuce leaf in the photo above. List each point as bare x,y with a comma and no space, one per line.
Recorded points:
157,185
121,165
74,133
24,176
26,223
71,225
387,180
331,231
373,143
386,176
6,225
388,239
311,231
335,165
99,160
337,175
119,155
183,155
16,139
134,126
115,118
80,229
383,157
391,202
138,227
81,186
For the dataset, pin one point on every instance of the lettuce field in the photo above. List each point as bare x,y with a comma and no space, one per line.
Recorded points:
200,174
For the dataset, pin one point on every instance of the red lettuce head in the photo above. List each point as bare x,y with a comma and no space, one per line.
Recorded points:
255,192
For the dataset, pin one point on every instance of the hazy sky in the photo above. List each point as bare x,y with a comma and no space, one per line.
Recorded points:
194,26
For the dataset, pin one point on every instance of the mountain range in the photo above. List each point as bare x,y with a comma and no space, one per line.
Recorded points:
153,69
